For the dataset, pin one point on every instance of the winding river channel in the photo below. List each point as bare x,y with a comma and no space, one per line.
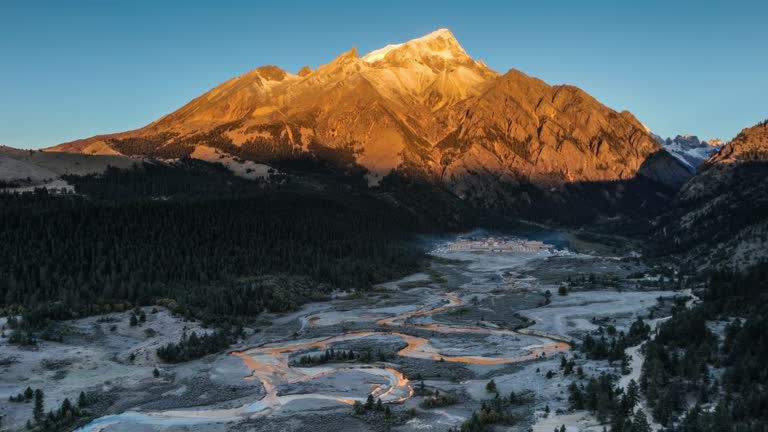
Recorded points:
270,365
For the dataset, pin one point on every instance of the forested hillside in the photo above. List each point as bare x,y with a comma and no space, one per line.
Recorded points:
705,369
719,220
209,244
698,378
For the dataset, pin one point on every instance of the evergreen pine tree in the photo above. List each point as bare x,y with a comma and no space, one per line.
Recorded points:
66,406
39,410
640,424
357,407
491,386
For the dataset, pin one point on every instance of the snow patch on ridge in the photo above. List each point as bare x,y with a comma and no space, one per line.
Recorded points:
422,42
379,54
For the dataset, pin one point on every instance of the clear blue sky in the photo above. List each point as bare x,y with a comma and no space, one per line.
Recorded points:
72,69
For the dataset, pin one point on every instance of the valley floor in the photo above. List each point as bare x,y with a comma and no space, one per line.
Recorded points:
475,316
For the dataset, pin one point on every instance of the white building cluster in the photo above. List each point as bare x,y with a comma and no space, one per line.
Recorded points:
493,244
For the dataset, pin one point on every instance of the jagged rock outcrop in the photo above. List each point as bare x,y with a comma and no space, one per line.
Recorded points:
304,71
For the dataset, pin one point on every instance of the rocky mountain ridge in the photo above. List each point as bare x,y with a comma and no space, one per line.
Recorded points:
423,106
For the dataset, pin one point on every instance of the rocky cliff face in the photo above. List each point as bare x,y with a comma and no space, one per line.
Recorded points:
523,128
423,106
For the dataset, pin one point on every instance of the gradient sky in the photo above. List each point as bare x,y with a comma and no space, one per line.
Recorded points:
72,69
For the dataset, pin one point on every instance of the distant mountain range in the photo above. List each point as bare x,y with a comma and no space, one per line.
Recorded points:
689,150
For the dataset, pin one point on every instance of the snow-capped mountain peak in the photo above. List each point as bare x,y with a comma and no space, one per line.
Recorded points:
438,44
689,150
424,104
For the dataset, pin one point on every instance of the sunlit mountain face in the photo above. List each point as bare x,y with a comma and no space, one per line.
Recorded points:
424,105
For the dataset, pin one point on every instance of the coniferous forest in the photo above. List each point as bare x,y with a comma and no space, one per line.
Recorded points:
208,244
692,379
710,383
